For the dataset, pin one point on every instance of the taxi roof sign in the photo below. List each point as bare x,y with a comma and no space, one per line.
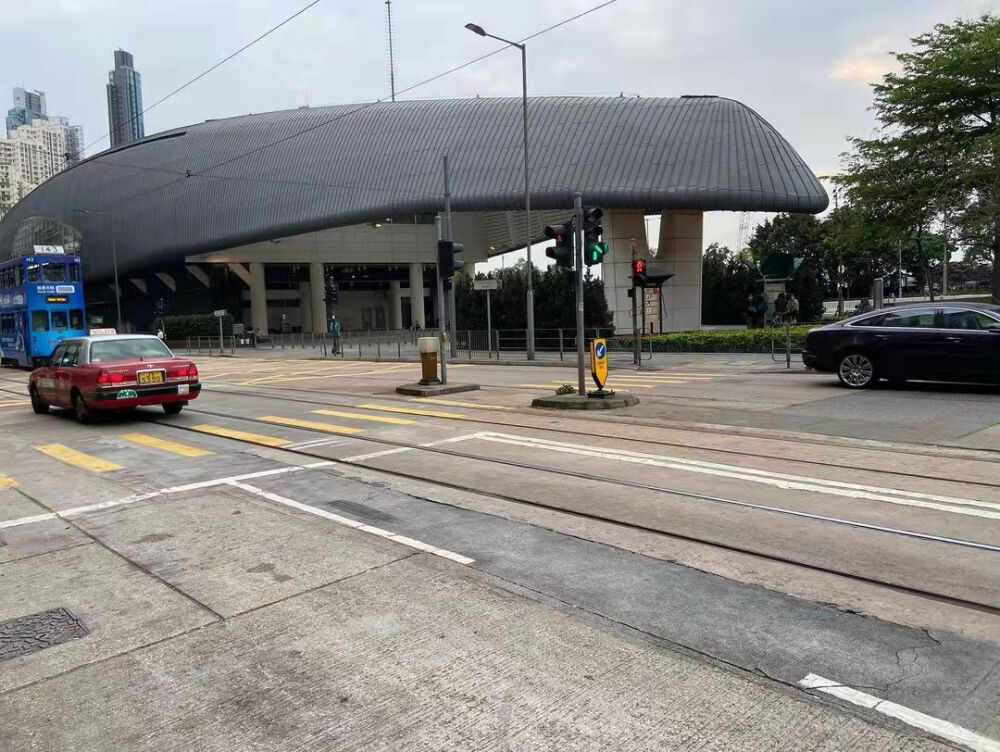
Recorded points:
107,332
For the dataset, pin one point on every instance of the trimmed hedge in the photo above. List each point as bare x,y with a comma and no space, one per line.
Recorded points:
720,340
196,325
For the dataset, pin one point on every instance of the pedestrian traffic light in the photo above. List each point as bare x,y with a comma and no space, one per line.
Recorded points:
594,249
330,283
638,273
447,265
562,251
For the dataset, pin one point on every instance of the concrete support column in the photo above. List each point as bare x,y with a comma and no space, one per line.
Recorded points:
395,306
622,228
679,253
317,296
258,298
417,295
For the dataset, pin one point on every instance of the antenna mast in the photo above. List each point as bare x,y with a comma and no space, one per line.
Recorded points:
392,63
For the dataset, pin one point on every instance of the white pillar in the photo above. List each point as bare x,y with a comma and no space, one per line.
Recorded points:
395,305
417,295
679,253
622,227
258,298
317,296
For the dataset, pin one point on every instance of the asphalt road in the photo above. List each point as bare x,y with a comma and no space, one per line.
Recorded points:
305,559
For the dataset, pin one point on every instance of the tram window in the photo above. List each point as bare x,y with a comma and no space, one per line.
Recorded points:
7,323
33,272
59,319
54,272
74,273
39,321
76,319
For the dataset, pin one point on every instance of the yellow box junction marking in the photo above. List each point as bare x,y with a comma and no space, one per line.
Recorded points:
232,433
362,416
78,459
458,403
411,411
315,425
184,450
7,482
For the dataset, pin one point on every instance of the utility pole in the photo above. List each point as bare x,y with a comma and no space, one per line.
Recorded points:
446,230
578,207
636,345
392,62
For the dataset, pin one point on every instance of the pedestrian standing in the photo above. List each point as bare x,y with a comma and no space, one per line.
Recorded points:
792,305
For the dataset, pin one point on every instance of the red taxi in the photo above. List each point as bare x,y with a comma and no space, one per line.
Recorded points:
90,374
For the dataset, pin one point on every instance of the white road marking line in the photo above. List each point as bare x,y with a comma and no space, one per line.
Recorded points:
971,507
938,727
73,511
400,450
314,443
354,524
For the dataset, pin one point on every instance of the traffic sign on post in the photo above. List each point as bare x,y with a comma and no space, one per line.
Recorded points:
599,363
220,313
485,284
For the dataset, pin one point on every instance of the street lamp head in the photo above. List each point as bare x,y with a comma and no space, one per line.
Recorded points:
476,29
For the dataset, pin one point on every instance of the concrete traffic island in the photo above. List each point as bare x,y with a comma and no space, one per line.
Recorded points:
577,402
430,385
433,390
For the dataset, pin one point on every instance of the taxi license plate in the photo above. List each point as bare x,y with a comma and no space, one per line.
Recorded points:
149,377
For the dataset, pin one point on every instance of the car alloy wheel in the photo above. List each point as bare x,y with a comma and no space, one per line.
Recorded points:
856,371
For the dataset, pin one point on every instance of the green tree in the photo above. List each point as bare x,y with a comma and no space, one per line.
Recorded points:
938,152
728,280
801,236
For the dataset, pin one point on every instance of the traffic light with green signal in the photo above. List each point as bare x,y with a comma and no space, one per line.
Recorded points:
562,251
594,249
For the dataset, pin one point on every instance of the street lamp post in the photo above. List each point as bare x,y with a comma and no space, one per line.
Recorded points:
527,184
114,261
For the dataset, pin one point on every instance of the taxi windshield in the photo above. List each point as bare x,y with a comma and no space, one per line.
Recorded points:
127,349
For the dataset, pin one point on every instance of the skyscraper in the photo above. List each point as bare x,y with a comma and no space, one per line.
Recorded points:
124,101
28,106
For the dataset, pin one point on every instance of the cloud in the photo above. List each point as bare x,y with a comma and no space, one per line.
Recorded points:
865,63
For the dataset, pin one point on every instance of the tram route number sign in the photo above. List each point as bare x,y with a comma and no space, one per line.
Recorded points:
599,362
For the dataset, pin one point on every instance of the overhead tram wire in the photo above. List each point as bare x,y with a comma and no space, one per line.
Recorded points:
205,72
360,108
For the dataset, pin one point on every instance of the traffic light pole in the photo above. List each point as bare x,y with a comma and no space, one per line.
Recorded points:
578,207
450,301
440,302
636,344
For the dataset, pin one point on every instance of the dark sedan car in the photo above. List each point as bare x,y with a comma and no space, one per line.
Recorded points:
932,341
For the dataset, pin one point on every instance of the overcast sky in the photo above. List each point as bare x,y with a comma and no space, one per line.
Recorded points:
804,66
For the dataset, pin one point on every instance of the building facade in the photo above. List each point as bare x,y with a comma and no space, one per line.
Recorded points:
34,153
124,101
28,107
354,196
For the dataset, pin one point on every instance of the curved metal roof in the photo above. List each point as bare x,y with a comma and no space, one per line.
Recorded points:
228,182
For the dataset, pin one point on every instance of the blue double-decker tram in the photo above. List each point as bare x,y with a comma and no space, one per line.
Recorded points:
41,303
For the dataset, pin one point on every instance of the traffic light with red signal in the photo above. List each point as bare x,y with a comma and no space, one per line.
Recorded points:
562,251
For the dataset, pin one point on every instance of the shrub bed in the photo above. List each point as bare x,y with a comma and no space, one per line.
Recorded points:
722,340
196,324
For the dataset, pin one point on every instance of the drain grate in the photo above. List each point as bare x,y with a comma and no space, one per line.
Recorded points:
29,634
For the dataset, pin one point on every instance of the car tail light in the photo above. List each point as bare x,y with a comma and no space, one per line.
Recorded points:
110,378
188,371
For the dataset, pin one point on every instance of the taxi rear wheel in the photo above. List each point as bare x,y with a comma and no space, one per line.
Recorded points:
173,408
37,404
80,409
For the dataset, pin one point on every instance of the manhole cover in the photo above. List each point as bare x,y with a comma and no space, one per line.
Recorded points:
34,632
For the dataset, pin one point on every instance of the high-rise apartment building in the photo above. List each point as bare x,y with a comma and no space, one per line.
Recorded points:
33,154
28,106
124,101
